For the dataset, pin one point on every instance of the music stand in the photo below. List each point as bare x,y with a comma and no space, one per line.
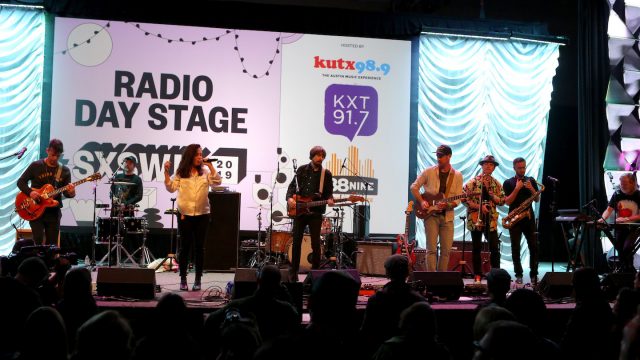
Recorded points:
171,256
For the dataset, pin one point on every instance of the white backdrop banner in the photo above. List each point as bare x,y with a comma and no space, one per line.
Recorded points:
253,100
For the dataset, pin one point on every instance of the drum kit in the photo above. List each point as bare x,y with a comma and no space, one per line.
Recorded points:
277,249
120,224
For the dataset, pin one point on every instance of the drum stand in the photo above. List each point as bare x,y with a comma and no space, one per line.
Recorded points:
259,257
118,247
339,260
145,255
465,270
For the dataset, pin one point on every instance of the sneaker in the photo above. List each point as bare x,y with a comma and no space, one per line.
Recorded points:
477,279
519,280
183,284
196,285
534,281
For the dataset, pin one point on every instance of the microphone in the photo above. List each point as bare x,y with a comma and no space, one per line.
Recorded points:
343,163
552,179
209,160
295,164
589,203
21,152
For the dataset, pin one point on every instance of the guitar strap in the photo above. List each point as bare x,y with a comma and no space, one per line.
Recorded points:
58,174
321,181
452,174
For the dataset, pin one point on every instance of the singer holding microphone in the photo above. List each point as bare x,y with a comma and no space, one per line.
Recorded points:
192,181
312,182
38,174
624,205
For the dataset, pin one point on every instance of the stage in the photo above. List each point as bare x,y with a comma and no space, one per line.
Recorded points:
455,318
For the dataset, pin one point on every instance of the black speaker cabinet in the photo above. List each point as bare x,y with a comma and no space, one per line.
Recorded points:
443,284
127,282
555,285
245,284
371,256
361,222
314,275
222,241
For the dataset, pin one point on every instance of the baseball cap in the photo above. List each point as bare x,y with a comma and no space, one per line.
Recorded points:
131,158
443,150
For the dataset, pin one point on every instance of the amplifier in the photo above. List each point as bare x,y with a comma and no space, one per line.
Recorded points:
371,256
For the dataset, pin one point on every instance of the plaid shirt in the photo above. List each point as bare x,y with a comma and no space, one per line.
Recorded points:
474,186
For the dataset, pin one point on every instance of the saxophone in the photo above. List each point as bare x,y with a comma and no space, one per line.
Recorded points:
521,211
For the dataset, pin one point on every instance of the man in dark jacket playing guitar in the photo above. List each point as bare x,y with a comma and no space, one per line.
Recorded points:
442,189
312,183
40,173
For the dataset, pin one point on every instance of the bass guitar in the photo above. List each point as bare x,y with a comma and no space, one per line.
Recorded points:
404,248
434,200
30,209
303,203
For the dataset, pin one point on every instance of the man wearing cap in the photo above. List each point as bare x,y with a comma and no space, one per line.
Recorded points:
482,215
440,179
129,190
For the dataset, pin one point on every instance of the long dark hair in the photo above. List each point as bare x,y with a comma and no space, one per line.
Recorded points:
186,163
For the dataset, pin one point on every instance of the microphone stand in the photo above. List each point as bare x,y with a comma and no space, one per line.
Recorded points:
554,212
367,212
615,219
93,230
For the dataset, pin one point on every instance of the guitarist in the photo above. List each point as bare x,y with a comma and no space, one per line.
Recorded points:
38,174
439,179
315,182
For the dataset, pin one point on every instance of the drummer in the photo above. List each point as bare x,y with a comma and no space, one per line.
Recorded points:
126,190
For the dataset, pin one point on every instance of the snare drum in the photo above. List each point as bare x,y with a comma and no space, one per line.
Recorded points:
134,225
279,241
105,227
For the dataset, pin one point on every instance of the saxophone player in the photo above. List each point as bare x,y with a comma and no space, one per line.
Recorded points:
482,215
519,189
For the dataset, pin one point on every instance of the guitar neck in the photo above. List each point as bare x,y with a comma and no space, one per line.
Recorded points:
453,198
64,188
319,203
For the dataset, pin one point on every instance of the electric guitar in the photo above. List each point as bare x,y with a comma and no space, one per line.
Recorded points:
404,248
30,209
303,203
436,199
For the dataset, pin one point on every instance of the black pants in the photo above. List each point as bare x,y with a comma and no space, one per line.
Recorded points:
314,221
625,240
193,230
494,249
47,227
528,228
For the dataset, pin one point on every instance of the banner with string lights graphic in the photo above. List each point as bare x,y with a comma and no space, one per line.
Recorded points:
148,90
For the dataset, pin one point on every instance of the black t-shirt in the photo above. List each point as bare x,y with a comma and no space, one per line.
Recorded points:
625,205
443,181
128,194
524,193
39,174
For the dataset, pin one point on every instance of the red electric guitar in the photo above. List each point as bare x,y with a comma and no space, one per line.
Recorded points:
436,199
402,240
30,209
303,203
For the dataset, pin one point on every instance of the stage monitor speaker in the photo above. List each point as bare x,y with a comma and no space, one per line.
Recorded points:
443,284
314,275
223,235
126,282
361,215
556,285
613,282
371,257
245,283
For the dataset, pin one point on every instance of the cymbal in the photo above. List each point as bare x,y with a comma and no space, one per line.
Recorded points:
281,217
335,217
256,207
120,183
102,206
171,211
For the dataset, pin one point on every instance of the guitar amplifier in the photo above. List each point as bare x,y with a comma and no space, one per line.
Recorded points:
371,256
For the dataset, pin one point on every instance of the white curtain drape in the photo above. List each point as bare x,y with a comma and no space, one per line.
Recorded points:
483,96
21,72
